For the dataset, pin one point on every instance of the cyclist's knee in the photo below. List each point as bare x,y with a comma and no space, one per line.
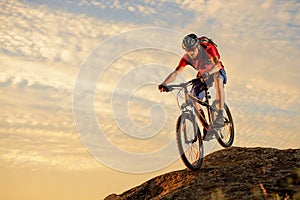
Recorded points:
220,77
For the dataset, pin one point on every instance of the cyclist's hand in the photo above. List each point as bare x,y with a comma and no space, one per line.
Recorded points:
163,88
196,81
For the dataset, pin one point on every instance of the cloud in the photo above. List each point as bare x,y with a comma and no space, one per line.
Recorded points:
40,61
262,116
20,73
47,149
248,23
131,8
143,8
36,32
42,48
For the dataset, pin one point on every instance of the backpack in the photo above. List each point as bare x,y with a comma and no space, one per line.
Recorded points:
205,41
209,45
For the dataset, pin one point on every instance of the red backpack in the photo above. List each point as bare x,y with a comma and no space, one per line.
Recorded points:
204,41
207,44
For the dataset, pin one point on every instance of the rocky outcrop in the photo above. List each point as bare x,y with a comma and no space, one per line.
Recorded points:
234,173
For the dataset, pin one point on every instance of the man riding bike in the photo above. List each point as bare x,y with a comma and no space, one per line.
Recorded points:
203,56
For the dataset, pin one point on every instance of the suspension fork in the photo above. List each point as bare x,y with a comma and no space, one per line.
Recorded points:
188,114
185,114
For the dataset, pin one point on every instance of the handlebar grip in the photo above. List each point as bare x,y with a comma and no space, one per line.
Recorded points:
164,88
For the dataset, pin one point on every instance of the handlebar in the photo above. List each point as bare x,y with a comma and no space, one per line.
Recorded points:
180,86
183,85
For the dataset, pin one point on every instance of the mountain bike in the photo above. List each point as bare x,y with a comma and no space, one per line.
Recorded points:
188,133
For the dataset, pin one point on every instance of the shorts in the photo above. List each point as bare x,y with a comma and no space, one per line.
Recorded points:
223,76
199,89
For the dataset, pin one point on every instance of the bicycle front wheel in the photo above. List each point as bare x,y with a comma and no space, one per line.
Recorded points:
189,142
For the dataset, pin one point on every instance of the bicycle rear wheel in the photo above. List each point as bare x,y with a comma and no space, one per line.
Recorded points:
189,142
225,135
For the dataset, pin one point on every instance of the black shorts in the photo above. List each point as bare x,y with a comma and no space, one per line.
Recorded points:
209,82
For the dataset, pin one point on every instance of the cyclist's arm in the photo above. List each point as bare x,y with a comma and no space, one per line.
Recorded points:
217,65
172,76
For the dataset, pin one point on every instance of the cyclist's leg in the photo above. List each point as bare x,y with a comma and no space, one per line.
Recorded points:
220,80
220,93
198,93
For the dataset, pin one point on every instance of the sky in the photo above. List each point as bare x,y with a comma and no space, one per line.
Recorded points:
81,116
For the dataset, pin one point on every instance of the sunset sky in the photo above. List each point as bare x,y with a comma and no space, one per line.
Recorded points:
81,116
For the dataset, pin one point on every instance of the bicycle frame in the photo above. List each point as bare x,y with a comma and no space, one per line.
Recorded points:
194,100
191,100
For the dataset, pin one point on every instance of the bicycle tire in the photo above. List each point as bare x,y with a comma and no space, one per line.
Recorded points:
194,142
227,131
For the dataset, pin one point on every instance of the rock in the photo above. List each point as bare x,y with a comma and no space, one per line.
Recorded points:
234,173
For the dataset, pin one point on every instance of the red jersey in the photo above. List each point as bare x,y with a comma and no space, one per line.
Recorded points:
202,63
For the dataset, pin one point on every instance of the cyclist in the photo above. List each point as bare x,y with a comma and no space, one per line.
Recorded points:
202,55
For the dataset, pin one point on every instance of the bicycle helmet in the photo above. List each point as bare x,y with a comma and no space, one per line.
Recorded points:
190,41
